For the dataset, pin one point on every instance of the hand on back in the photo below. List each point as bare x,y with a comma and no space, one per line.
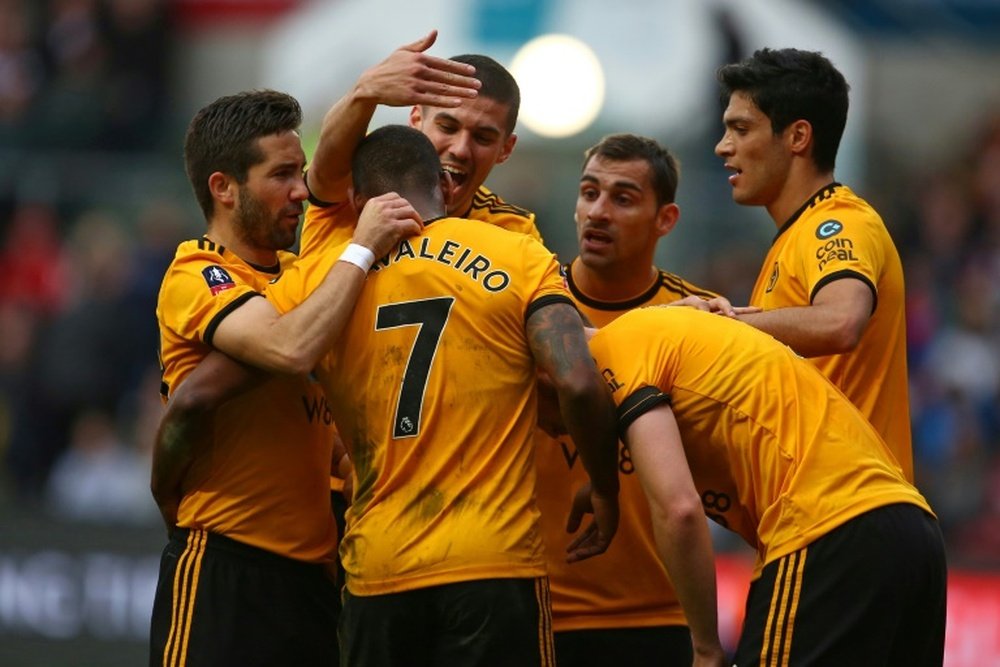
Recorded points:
719,305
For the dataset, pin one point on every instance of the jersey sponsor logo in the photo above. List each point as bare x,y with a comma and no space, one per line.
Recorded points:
828,229
625,465
773,280
835,250
218,279
317,410
451,253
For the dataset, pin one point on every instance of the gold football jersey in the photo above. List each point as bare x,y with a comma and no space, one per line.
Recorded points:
627,586
777,453
838,235
270,459
432,386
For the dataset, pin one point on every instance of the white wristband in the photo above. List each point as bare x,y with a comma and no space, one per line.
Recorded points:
359,256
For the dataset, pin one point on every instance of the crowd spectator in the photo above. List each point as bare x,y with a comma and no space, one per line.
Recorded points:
951,250
83,74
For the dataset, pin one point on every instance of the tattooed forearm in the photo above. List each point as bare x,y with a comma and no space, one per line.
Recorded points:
555,333
558,342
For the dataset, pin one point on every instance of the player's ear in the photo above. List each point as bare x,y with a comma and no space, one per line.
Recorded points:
508,148
416,117
357,201
224,188
799,136
666,218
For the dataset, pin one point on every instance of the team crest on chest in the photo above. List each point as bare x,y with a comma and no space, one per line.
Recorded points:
773,280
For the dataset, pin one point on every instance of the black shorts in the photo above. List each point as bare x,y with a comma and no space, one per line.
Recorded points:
659,646
220,602
484,623
871,592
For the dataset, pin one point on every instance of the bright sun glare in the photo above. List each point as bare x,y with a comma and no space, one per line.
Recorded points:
562,85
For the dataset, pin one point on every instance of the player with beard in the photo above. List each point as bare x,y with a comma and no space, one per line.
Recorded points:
241,583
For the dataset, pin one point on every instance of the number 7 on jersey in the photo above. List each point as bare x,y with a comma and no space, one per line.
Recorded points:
430,315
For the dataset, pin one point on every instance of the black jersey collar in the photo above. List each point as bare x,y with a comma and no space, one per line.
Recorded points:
822,194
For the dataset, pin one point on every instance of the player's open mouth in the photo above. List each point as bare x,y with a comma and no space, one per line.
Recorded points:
457,177
596,238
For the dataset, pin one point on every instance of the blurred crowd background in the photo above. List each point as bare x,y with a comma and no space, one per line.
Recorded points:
94,98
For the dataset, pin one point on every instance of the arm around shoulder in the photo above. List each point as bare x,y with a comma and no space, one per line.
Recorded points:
185,430
256,333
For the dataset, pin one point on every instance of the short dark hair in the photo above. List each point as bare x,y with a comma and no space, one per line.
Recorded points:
498,84
223,136
395,158
789,85
664,169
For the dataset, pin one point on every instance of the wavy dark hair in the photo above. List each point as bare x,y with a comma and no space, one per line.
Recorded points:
223,137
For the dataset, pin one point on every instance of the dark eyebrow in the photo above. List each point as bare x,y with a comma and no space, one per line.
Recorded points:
444,115
289,164
736,119
624,185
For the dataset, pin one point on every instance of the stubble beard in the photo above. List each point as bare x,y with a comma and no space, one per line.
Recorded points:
258,227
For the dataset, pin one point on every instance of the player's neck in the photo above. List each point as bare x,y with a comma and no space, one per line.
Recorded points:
800,186
225,235
611,283
428,206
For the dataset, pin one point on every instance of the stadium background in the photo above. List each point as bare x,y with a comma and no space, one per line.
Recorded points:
94,98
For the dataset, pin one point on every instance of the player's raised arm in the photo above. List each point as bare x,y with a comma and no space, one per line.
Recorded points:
409,76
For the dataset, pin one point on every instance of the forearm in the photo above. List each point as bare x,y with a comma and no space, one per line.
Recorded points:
811,331
559,345
344,125
294,342
832,324
685,547
679,525
310,329
186,428
179,440
589,417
